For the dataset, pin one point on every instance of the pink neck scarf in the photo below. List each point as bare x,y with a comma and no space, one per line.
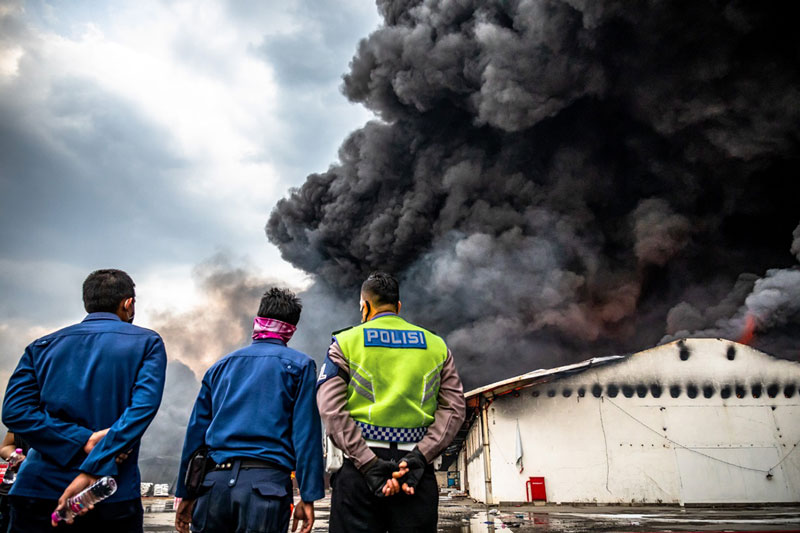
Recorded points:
270,328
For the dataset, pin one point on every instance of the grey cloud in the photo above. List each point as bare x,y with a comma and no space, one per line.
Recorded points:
796,242
83,163
15,336
13,29
315,52
87,180
309,53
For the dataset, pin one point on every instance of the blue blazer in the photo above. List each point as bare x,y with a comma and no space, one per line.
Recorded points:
100,373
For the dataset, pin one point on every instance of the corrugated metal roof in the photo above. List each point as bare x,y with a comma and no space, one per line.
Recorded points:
499,388
542,375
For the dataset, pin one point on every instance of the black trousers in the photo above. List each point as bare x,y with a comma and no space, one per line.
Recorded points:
354,509
32,515
5,511
244,500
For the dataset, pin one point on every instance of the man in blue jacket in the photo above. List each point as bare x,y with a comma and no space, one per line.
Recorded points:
256,412
82,397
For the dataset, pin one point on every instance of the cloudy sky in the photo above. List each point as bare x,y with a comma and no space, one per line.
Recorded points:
153,136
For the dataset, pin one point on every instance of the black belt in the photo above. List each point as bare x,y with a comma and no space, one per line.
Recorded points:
394,446
248,464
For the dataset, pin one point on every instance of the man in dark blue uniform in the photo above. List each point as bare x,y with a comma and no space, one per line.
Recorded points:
82,397
256,412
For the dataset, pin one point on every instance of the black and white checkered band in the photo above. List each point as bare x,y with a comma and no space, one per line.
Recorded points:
391,434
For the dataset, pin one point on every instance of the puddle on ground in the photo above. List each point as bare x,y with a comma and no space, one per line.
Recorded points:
710,520
491,522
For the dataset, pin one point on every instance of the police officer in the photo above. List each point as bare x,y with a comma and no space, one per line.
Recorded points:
391,399
257,415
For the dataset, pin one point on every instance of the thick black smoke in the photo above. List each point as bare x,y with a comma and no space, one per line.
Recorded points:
555,180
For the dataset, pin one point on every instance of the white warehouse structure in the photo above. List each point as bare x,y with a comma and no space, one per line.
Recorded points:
694,421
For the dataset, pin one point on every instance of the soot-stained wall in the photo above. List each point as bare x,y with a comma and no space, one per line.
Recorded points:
694,421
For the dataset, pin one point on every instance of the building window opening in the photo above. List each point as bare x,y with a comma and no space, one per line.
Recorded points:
708,391
691,390
567,393
535,394
684,352
641,391
627,391
725,392
675,391
597,390
551,393
740,392
655,390
613,390
772,390
581,392
731,353
756,390
789,389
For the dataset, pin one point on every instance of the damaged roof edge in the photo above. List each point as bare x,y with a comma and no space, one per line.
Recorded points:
541,375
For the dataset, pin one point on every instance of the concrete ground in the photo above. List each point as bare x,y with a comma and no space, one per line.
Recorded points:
462,515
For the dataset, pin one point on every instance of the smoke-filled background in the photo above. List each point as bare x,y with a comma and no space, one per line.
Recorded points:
551,180
556,180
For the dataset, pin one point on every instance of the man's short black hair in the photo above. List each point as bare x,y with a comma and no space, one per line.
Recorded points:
104,289
381,288
281,304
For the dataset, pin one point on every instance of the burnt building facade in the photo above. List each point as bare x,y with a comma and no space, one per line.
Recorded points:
693,421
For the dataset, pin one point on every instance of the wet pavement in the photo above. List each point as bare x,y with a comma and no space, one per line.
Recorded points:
617,519
462,515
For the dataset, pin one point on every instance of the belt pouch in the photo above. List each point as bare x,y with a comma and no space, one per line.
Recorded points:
199,464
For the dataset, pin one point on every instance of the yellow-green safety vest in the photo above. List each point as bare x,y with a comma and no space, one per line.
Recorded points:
395,370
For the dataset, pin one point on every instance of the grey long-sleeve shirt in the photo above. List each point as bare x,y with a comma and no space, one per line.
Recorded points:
345,434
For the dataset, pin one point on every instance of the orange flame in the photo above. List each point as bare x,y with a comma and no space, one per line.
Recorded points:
749,330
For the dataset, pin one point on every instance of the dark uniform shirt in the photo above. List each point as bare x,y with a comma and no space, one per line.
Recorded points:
258,402
101,373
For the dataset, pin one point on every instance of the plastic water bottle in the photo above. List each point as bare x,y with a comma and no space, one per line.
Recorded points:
13,465
99,491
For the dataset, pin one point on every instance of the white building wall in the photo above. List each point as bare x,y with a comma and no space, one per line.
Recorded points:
472,456
654,450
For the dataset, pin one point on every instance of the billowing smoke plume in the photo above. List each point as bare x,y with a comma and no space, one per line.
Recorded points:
765,312
221,322
558,179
